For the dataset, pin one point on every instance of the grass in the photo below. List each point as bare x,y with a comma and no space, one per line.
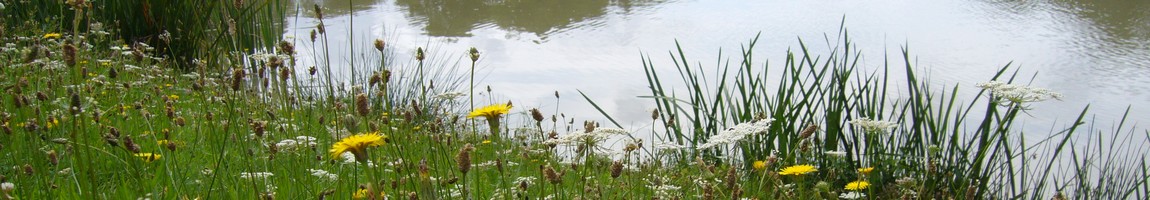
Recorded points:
84,121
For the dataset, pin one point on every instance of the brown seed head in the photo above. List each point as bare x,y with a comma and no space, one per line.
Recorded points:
287,48
551,176
237,79
130,145
53,158
807,132
732,178
70,54
463,159
361,106
28,170
379,45
75,103
535,114
616,169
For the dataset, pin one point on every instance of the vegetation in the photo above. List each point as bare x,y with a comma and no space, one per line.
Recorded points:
93,113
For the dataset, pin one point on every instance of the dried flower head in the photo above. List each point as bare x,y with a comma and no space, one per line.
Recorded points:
463,158
361,106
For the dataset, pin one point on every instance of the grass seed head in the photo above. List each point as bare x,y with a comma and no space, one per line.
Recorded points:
361,105
237,79
379,45
616,169
463,159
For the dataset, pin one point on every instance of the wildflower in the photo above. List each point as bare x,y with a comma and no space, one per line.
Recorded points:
798,170
486,141
357,145
1018,94
734,134
323,174
759,165
449,95
253,175
360,194
665,146
463,159
52,36
857,185
492,113
838,154
149,156
873,126
489,112
852,195
616,169
173,97
866,170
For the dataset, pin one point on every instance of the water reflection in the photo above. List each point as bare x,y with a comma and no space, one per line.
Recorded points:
457,18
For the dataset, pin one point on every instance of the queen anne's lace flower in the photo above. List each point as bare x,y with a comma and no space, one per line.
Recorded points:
734,134
1018,93
870,125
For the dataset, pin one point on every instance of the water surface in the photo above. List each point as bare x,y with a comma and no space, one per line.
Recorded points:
1093,52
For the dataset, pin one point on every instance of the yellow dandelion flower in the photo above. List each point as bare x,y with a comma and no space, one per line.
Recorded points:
759,165
357,144
492,111
149,156
360,194
52,36
866,170
798,170
857,185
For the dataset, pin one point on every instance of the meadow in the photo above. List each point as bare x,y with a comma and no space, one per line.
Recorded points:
217,106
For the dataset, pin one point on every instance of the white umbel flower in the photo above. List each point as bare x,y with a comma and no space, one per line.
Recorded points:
255,175
870,125
852,195
1018,93
734,134
594,137
323,174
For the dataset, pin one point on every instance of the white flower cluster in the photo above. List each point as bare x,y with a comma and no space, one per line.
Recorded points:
450,95
870,125
667,146
1018,93
323,174
594,137
836,154
349,158
254,175
300,142
734,134
852,195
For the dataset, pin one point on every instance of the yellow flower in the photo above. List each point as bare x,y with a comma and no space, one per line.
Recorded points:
149,156
759,165
492,111
164,143
52,36
357,144
174,97
866,170
798,170
487,142
857,185
360,194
